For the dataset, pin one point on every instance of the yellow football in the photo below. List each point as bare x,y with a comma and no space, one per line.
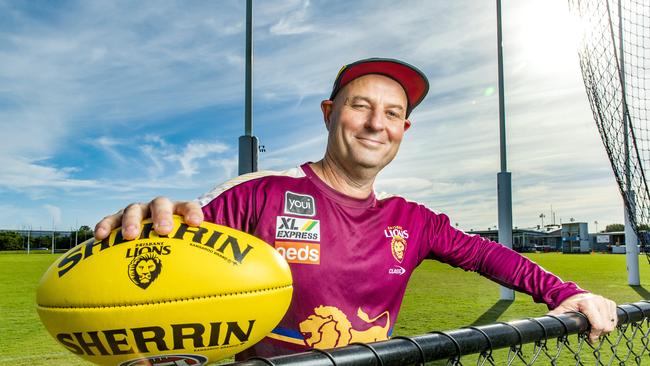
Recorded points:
197,295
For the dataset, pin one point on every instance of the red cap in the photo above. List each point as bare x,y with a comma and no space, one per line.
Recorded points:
413,81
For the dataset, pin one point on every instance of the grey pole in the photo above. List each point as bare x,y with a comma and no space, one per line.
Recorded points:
248,143
504,191
631,241
248,128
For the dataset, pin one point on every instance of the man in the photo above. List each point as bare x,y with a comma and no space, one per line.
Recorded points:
359,248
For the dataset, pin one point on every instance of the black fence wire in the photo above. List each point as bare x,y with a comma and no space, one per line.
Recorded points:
547,340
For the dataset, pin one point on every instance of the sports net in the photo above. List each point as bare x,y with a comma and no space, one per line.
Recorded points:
615,57
548,340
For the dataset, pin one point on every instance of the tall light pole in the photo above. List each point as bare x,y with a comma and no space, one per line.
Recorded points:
248,144
504,190
629,210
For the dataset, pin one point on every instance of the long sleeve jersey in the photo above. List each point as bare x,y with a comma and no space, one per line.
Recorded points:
351,259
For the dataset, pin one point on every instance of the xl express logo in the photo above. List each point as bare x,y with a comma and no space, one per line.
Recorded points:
297,229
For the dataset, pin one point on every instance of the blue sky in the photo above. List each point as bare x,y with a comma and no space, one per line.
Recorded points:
104,103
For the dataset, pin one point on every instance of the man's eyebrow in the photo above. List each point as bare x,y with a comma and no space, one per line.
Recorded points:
396,106
358,98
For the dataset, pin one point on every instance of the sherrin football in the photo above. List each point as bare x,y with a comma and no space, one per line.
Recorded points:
197,295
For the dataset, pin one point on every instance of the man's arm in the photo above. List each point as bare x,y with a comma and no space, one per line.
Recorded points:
511,269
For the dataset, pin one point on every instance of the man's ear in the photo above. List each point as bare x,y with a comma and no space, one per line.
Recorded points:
407,124
326,106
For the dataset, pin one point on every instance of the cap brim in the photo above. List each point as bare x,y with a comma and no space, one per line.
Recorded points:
412,80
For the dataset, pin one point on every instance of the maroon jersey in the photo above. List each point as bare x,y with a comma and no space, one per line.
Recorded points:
351,258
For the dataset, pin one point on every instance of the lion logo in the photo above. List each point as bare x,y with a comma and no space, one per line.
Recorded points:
144,269
329,327
398,247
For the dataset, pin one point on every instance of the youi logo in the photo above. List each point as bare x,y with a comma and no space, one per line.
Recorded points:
299,204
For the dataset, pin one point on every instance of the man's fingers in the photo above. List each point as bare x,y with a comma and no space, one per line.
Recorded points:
591,310
607,312
162,210
600,312
191,212
131,218
613,315
106,225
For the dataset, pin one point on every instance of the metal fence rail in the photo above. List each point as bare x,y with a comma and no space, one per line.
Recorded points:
547,340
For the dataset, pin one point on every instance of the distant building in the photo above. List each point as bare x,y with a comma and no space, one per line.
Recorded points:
571,237
575,238
553,238
523,240
613,242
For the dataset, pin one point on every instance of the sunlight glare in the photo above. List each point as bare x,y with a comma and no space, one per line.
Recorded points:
548,35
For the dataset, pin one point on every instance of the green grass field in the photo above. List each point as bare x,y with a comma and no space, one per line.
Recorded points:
438,298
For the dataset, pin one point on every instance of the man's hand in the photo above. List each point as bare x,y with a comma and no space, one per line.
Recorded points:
600,312
160,209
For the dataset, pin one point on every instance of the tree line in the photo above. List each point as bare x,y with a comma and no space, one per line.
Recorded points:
14,240
620,227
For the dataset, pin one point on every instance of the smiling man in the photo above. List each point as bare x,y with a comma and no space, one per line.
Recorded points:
352,251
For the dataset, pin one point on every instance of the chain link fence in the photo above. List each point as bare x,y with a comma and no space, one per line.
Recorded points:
548,340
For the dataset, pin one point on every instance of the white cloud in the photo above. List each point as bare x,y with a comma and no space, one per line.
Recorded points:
21,174
54,212
294,22
132,62
193,152
229,166
108,145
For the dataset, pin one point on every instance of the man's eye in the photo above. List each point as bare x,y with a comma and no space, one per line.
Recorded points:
393,114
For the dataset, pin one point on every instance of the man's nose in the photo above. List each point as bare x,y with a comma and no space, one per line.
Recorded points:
376,120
